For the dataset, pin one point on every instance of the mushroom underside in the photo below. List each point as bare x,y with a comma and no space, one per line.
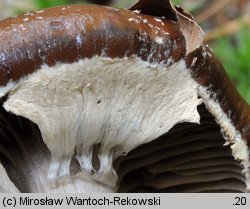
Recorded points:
189,158
131,127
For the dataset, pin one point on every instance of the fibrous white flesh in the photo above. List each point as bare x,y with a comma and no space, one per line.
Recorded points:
117,103
6,89
6,186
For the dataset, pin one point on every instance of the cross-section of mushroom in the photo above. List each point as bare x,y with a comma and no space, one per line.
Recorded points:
96,99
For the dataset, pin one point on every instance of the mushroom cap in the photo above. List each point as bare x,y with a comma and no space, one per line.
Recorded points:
157,35
66,34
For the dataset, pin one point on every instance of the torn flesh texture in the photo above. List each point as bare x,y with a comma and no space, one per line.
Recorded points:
232,136
115,104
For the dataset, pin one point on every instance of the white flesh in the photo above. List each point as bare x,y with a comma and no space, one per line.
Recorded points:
118,103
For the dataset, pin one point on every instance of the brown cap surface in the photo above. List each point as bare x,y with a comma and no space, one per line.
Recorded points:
67,34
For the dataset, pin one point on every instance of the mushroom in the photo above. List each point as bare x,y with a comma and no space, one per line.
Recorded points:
97,99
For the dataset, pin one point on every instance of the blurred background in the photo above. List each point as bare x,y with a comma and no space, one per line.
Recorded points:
226,24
